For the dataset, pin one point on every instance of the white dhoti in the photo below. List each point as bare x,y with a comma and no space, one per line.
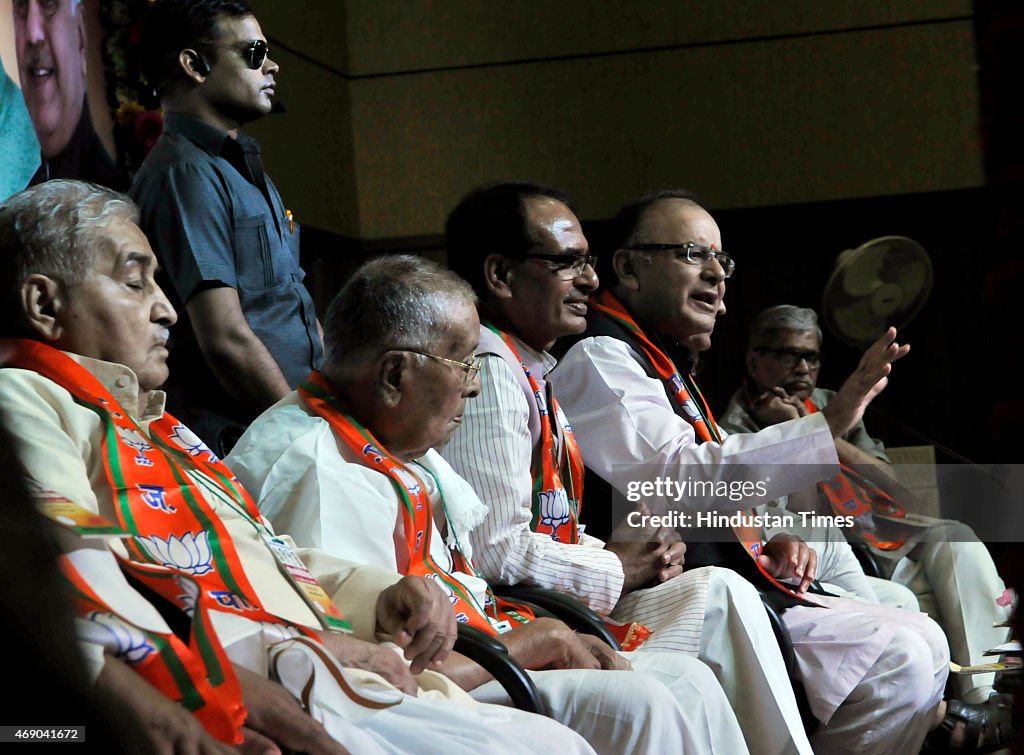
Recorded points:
366,714
739,646
956,583
717,616
670,703
873,675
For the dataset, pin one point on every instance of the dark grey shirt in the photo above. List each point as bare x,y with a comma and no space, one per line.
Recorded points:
214,218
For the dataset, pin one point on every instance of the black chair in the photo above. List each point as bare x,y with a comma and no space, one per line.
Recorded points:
483,649
564,607
869,561
774,604
227,438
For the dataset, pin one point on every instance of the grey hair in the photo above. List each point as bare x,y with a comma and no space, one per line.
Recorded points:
782,317
391,301
51,229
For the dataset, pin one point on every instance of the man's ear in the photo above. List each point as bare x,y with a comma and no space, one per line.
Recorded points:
81,38
43,304
624,264
751,361
498,274
392,369
194,65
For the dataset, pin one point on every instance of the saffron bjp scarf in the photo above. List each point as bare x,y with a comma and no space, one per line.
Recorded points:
852,494
556,506
412,544
198,675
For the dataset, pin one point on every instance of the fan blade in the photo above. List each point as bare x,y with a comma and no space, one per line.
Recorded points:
857,323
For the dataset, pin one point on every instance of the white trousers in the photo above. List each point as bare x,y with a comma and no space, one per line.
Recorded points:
718,616
956,583
884,673
890,711
669,703
951,576
429,724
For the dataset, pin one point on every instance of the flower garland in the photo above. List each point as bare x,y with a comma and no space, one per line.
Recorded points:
138,119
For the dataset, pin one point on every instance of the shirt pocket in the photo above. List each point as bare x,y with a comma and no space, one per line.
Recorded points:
254,262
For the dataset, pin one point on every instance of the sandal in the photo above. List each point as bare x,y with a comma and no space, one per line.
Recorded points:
989,727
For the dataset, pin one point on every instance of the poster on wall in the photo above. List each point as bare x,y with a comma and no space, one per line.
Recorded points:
74,104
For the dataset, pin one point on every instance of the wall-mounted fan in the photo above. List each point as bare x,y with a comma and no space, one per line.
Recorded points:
882,282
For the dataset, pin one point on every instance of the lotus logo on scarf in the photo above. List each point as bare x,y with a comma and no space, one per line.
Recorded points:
134,439
447,590
691,410
554,507
677,382
125,641
408,480
755,548
189,553
542,405
188,441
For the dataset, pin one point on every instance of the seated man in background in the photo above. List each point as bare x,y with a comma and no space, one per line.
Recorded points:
522,249
83,358
346,465
636,411
950,572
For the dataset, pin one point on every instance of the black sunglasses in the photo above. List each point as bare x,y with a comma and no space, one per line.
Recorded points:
254,53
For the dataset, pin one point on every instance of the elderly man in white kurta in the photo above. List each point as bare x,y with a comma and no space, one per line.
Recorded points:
346,464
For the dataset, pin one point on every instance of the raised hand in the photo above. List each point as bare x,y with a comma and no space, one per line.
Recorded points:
867,381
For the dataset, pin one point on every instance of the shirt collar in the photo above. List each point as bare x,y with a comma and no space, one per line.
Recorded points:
123,385
538,362
209,138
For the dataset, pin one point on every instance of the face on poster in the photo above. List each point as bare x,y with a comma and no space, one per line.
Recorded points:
50,48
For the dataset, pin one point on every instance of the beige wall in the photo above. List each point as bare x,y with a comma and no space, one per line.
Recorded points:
749,103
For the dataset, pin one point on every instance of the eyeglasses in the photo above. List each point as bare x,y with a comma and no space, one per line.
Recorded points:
566,266
470,368
695,254
790,358
254,52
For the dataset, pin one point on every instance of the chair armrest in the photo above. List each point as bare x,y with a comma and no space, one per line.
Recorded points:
869,560
775,603
486,651
564,607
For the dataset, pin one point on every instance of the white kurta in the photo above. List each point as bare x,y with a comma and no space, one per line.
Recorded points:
312,487
628,431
